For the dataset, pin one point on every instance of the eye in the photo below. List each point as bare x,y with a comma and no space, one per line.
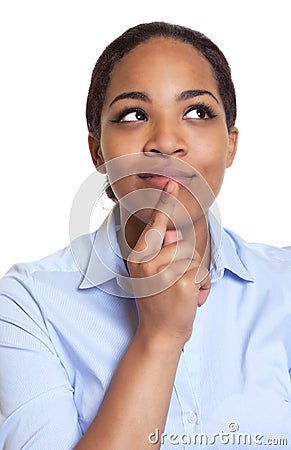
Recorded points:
131,115
134,116
200,112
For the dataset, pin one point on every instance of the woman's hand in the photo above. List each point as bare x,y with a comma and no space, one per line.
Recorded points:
165,271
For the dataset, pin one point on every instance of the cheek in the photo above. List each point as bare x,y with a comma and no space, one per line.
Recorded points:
213,173
109,146
115,142
211,164
122,187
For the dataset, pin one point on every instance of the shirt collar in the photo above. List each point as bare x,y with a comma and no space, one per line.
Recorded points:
106,263
225,255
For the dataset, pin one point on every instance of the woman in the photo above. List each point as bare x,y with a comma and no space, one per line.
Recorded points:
104,346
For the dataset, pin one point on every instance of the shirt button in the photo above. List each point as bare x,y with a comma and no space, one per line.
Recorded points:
192,418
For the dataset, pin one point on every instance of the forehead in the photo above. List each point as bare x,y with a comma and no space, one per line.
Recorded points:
160,60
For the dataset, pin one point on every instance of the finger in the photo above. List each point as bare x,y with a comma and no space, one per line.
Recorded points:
172,236
183,266
204,292
152,237
203,287
191,270
202,275
172,253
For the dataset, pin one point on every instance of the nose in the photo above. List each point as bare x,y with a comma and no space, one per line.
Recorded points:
165,138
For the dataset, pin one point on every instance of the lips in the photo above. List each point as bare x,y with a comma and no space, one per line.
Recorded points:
159,177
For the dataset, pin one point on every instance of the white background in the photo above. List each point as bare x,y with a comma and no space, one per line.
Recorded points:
48,50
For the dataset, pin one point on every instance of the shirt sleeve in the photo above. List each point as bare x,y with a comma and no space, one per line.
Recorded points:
37,409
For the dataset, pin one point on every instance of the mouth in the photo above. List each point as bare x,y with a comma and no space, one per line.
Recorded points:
158,178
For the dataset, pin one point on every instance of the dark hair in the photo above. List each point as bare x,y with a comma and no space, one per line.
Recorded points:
141,33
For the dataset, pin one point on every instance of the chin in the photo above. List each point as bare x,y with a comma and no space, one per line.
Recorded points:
177,221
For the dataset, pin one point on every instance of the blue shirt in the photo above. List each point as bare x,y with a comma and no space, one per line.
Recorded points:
66,321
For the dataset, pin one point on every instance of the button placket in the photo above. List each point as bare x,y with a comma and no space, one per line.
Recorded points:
192,418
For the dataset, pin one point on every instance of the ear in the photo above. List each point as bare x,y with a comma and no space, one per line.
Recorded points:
96,153
232,146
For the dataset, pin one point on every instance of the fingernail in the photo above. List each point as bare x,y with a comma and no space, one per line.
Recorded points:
170,186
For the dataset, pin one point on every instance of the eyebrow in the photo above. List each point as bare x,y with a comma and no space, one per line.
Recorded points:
185,95
135,95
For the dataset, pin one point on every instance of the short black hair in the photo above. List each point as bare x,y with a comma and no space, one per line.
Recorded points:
141,33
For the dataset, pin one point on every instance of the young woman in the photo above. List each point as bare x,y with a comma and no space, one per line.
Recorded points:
167,331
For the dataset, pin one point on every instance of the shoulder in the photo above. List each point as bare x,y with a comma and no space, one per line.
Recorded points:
69,260
257,249
260,258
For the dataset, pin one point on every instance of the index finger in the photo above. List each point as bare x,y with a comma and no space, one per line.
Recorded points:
152,236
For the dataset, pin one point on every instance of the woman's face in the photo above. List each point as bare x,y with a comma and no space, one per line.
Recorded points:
164,117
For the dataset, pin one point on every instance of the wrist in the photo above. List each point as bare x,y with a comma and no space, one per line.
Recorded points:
159,342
